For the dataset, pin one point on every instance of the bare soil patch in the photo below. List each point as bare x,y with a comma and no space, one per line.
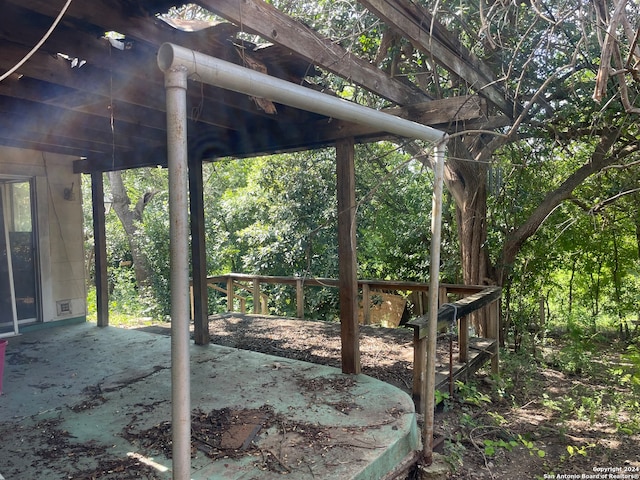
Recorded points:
385,353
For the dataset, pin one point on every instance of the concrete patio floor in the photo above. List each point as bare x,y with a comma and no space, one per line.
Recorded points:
82,402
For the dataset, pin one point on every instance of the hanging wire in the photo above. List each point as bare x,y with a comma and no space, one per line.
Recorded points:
39,44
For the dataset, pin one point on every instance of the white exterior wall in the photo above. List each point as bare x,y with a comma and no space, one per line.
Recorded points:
59,228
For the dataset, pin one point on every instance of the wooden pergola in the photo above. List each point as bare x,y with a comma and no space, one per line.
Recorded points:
99,97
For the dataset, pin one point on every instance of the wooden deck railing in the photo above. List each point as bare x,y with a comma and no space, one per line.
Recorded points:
251,283
470,298
448,315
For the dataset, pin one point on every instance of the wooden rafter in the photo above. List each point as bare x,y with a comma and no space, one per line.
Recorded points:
111,110
265,20
425,33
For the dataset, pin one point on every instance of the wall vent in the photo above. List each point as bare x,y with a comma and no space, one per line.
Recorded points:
63,307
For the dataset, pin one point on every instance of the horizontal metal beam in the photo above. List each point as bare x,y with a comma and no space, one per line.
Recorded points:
243,80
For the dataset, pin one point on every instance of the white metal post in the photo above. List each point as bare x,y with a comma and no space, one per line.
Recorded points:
434,284
176,88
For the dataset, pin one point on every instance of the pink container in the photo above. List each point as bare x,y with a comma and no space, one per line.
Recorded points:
3,346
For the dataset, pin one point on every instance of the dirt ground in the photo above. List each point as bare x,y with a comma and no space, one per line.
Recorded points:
535,422
385,353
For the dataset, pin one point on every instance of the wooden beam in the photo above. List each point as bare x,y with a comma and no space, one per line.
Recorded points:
450,312
255,291
51,130
122,160
35,94
100,249
230,294
198,254
348,279
92,78
252,15
427,34
494,332
29,114
40,147
419,386
96,83
442,112
463,339
265,20
120,16
366,304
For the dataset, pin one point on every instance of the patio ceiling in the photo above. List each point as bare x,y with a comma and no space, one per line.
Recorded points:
84,95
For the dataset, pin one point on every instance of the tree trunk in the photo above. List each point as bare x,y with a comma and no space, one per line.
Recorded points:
468,183
465,177
130,219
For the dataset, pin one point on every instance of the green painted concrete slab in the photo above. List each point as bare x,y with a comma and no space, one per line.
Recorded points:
81,400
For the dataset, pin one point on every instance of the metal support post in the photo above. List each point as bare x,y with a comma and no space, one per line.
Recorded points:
434,283
176,87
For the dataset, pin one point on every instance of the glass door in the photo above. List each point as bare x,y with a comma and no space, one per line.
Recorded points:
18,273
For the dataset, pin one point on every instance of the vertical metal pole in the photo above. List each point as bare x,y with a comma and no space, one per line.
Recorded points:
176,87
434,283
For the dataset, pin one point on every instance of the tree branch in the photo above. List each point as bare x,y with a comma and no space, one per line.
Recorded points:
600,205
622,167
599,159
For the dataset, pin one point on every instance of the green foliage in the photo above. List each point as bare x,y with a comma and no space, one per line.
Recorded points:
277,216
533,450
91,304
610,389
127,299
574,358
156,250
490,446
584,264
574,450
442,397
394,216
454,451
469,393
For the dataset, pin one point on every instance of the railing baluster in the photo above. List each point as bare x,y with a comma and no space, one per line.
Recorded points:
494,332
230,293
257,301
366,304
463,339
299,298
